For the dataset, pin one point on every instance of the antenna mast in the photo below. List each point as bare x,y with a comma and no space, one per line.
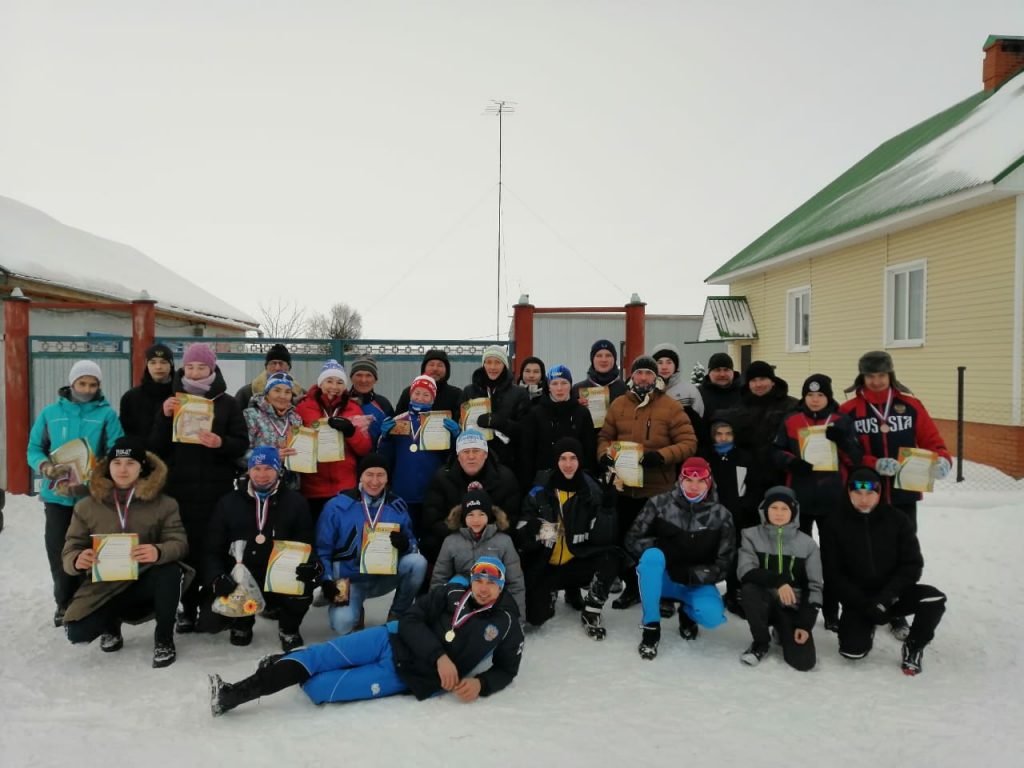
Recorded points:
499,108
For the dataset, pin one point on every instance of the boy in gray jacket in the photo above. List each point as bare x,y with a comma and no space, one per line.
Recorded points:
478,530
780,570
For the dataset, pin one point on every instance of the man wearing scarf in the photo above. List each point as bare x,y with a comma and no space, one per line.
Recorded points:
647,416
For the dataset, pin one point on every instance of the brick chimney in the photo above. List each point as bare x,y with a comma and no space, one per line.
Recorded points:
1004,57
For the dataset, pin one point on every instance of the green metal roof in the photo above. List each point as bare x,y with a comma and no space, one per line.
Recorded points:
947,153
993,39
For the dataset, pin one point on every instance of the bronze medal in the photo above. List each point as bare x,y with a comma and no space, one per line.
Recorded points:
884,429
260,538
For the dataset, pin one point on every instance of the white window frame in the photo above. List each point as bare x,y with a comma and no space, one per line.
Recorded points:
796,299
890,318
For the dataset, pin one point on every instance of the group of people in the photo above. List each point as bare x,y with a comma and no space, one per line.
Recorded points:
528,499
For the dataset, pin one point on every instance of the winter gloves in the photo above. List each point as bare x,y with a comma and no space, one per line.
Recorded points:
887,467
492,421
941,468
400,541
224,585
343,425
652,459
800,467
309,573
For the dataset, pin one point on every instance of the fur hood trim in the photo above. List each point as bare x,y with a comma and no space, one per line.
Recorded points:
101,487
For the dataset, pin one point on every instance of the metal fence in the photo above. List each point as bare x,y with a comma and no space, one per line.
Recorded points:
398,361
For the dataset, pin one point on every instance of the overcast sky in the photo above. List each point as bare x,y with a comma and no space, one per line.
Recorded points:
325,151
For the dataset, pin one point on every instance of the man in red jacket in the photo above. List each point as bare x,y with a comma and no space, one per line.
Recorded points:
886,417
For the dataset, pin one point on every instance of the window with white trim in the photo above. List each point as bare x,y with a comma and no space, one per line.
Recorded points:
905,294
798,319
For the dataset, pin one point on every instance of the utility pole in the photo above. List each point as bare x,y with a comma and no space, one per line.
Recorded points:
499,108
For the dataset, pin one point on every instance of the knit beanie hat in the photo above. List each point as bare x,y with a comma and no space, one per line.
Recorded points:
265,455
495,350
364,363
437,354
477,499
559,372
471,438
424,382
372,461
160,352
490,569
603,344
864,475
200,353
567,445
666,350
279,378
278,352
85,368
720,360
759,369
695,468
335,369
134,448
817,382
644,363
783,494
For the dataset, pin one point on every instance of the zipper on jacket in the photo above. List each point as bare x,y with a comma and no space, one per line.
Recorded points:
648,429
778,540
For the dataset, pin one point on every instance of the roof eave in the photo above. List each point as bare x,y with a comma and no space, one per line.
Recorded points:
164,307
922,214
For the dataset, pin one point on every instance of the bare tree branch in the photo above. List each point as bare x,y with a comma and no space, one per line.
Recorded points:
340,322
282,320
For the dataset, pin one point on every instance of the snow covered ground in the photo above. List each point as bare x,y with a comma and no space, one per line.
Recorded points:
576,701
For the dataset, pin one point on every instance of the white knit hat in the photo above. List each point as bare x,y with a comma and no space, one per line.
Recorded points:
332,368
84,368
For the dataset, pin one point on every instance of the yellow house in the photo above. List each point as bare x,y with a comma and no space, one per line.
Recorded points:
917,249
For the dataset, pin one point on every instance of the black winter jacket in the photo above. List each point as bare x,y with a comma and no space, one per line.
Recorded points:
717,398
140,406
446,489
547,423
509,404
872,557
234,518
589,516
199,476
756,422
420,641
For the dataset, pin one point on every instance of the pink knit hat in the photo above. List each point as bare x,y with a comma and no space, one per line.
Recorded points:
200,353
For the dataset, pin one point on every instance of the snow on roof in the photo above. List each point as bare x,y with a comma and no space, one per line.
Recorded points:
972,144
36,246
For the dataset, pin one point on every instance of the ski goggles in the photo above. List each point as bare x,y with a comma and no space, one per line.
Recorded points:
864,485
487,572
695,473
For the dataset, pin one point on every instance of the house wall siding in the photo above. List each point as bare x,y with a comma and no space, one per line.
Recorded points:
969,311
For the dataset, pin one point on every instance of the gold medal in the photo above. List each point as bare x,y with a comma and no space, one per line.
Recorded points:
449,636
413,448
260,538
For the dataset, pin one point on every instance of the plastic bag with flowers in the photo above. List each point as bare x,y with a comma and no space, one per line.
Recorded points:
246,599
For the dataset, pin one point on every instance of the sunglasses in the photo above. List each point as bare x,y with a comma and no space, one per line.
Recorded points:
488,572
863,485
